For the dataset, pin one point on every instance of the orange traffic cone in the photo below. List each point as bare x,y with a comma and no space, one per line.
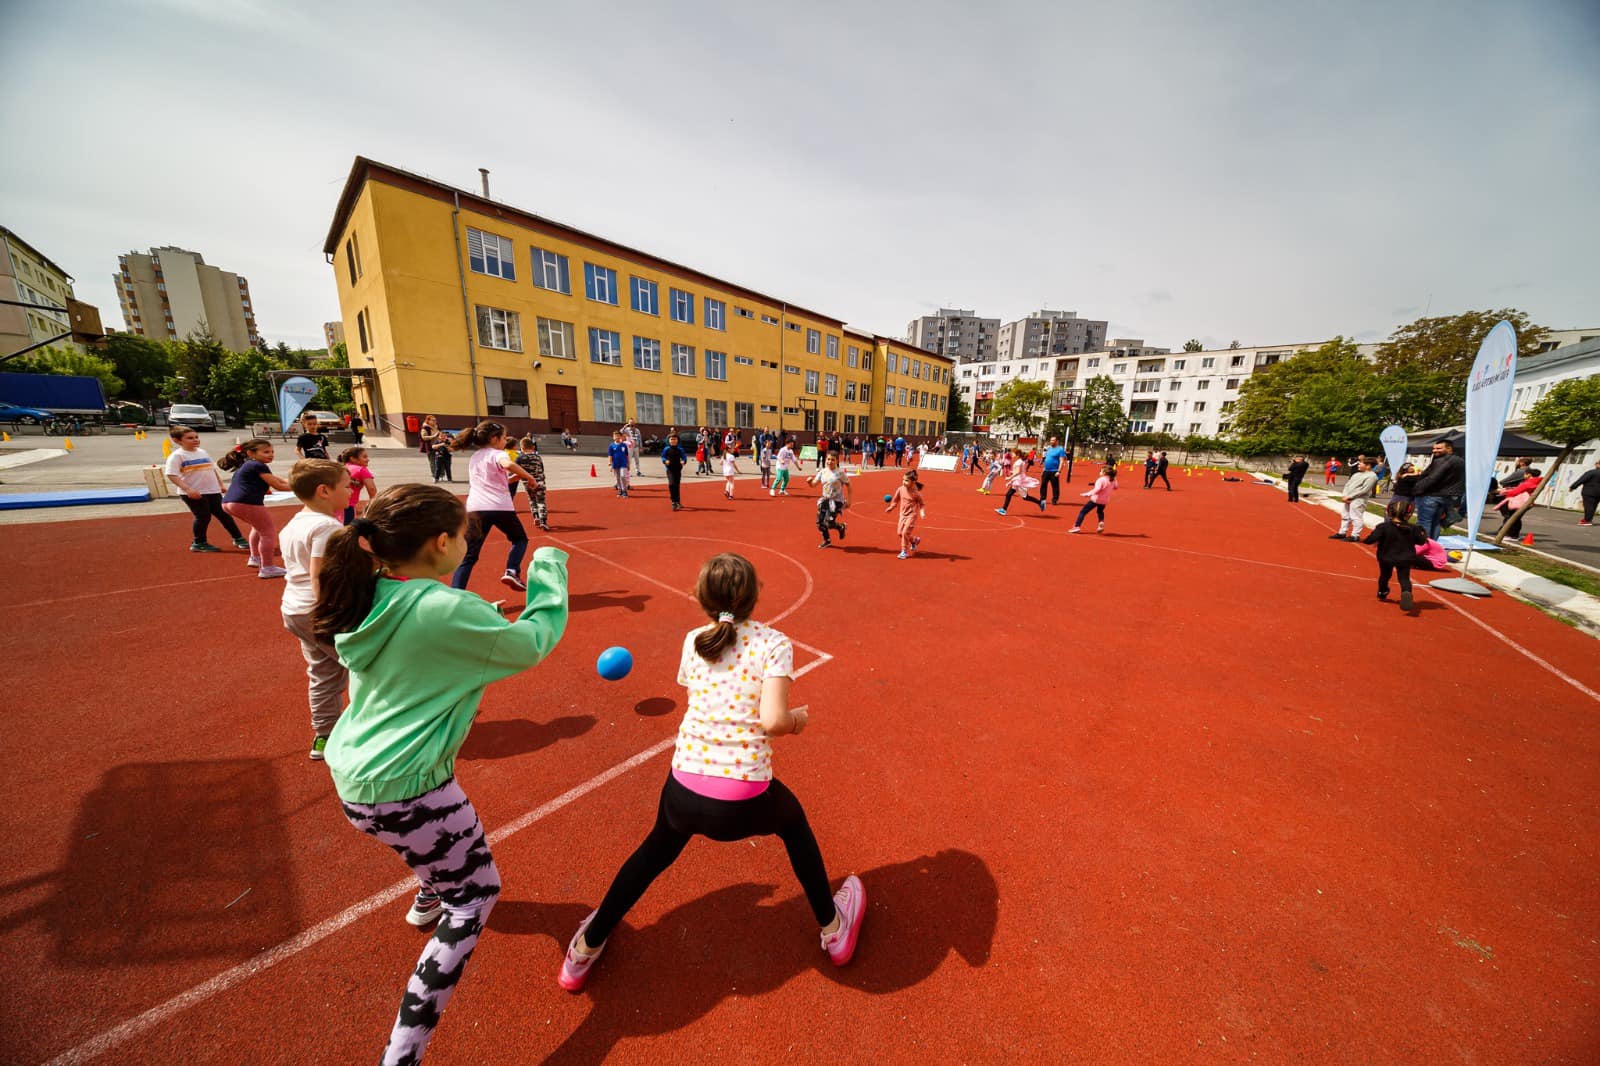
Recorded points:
592,471
1527,538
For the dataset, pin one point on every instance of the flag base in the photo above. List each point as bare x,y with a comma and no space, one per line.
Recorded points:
1461,586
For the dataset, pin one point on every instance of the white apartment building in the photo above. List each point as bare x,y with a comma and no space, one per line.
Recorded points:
955,334
1535,376
1046,333
172,291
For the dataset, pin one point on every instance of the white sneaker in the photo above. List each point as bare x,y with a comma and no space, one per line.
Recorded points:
272,571
253,561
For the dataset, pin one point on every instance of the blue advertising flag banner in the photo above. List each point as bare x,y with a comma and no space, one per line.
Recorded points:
295,396
1393,440
1488,403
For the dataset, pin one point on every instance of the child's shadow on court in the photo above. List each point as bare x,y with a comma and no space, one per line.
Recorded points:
518,736
918,912
595,601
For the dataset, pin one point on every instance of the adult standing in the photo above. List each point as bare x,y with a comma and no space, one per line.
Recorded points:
437,447
1297,473
1050,478
357,426
1439,487
702,451
899,450
879,448
1588,484
635,445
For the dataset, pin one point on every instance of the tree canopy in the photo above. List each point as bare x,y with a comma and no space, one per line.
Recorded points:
1021,404
1448,344
959,416
1192,345
1101,419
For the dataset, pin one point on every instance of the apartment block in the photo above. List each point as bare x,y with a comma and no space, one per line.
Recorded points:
960,335
462,307
28,275
1046,333
333,333
172,292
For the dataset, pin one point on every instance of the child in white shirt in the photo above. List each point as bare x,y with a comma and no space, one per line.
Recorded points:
324,487
195,475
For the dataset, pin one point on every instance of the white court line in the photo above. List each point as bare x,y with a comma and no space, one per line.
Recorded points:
123,592
228,979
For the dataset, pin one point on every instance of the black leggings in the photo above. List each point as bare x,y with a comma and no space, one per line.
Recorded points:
1006,505
1589,505
206,508
674,483
1401,573
1050,479
1091,506
682,814
478,525
828,516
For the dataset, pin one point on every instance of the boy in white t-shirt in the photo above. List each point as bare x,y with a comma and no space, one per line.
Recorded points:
787,461
324,487
195,475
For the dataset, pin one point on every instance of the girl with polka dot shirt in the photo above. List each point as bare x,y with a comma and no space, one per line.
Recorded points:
738,673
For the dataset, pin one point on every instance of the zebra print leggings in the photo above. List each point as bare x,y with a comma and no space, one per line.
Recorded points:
439,837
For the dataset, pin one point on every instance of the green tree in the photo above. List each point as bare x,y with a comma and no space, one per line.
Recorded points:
1192,345
1232,345
70,362
959,416
142,364
238,384
194,358
1325,400
1449,344
1101,419
1568,415
334,393
1021,405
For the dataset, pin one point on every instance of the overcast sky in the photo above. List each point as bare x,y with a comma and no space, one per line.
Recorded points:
1268,172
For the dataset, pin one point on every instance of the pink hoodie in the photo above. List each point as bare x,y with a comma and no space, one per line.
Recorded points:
1101,493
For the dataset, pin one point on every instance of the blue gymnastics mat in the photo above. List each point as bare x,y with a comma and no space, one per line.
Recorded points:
18,501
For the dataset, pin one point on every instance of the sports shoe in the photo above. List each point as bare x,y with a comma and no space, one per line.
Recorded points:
914,542
1336,536
772,492
999,510
242,544
842,528
902,555
851,904
318,744
272,571
1383,597
254,560
1101,528
824,544
575,967
424,909
1406,602
202,546
1041,507
1584,522
1075,529
510,580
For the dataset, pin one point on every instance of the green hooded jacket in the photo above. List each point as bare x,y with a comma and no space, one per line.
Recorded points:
418,667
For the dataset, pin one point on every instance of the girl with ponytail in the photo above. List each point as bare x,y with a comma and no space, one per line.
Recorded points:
490,474
738,673
420,655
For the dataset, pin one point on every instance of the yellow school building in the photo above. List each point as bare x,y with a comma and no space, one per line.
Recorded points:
461,307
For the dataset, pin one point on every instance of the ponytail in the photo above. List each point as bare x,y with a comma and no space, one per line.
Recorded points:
478,436
232,460
349,454
397,524
727,590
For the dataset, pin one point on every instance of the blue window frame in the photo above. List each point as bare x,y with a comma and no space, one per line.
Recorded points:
716,365
605,346
600,283
550,271
682,306
683,360
646,353
490,254
646,296
716,314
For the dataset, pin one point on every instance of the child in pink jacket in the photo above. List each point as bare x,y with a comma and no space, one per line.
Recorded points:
1099,496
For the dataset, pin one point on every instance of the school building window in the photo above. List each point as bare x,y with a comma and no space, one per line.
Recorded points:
646,297
550,271
866,395
743,312
352,255
743,360
600,283
716,367
556,339
833,347
849,423
830,385
682,305
811,380
605,346
716,314
866,361
646,353
830,421
647,407
789,368
683,360
769,320
916,368
902,400
850,391
685,410
769,408
608,405
744,414
894,363
499,329
813,341
717,412
361,328
506,397
489,254
852,356
793,327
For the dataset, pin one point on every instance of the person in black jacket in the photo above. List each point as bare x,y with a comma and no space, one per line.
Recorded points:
1297,473
1397,540
673,456
1588,483
1439,488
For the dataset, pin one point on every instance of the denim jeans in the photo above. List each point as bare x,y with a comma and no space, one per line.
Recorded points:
1430,514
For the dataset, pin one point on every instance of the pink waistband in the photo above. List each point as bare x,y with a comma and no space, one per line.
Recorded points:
719,788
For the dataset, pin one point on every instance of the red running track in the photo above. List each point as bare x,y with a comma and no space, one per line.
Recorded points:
1181,791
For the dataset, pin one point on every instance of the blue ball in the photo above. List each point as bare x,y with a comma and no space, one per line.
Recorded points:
887,497
614,663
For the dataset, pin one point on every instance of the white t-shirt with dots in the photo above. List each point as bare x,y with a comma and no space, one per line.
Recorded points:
721,735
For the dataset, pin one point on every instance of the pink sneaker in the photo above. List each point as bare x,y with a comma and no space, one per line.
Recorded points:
575,967
851,903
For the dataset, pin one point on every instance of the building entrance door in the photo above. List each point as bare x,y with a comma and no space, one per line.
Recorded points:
561,401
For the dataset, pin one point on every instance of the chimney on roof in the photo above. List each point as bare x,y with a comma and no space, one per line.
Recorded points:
484,173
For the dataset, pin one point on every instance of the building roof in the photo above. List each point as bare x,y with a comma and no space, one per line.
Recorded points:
10,235
364,170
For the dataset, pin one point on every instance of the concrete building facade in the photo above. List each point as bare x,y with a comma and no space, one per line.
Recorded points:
959,335
172,292
464,307
26,274
1536,375
1046,333
333,333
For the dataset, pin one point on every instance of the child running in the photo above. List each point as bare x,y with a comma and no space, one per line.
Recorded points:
1019,481
532,464
420,656
787,461
997,463
355,461
246,500
834,499
908,497
191,469
1099,496
1398,539
325,490
489,505
721,786
618,451
730,470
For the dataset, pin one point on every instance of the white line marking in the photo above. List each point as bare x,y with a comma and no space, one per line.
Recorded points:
1442,597
228,979
124,592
